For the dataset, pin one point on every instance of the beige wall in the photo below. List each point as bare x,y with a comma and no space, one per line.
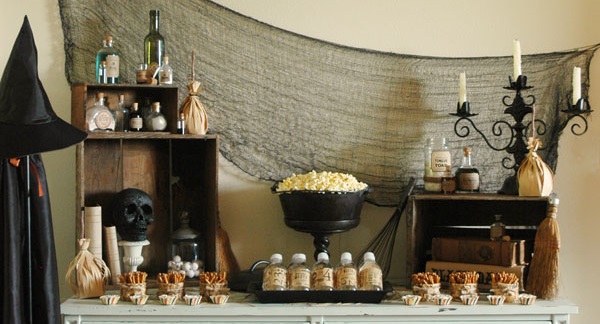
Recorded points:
251,214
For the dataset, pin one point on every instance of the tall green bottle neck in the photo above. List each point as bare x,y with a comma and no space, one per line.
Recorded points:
154,23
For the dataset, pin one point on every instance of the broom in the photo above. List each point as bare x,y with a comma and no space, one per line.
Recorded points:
544,268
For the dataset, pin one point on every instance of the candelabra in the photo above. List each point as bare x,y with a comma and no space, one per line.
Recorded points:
518,109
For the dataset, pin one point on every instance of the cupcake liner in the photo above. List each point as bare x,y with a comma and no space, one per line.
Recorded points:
469,299
496,299
442,300
110,299
219,299
139,299
192,300
527,299
411,300
168,300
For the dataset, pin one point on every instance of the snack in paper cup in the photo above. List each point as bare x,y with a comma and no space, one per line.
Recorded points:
110,299
527,299
496,299
411,300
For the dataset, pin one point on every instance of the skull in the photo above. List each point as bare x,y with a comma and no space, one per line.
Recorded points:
132,212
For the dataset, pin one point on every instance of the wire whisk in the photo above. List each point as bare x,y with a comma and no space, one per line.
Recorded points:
382,245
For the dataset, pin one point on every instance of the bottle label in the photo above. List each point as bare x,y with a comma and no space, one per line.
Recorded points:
104,120
370,277
136,123
165,77
112,66
322,277
469,181
439,161
299,278
274,277
346,277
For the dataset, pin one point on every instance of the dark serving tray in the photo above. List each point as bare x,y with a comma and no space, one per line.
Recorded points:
336,296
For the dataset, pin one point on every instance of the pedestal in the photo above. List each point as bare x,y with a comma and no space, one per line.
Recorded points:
132,254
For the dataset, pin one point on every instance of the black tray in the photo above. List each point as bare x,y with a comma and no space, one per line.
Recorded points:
336,296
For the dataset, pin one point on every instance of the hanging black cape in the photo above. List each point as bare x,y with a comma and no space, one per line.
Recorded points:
13,267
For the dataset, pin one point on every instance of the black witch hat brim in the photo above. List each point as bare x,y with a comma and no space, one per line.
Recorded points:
28,124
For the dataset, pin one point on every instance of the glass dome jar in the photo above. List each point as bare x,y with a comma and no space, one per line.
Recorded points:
185,241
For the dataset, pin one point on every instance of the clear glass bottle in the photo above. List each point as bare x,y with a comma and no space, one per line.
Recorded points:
321,274
156,121
346,274
467,176
136,122
166,72
121,115
497,229
275,274
370,276
102,73
437,159
154,44
298,273
111,56
181,124
98,117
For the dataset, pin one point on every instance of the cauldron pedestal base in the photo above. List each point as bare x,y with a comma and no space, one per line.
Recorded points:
321,243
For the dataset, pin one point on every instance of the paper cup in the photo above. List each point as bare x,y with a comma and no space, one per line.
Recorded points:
110,299
496,299
411,300
219,299
192,300
442,300
469,299
168,300
527,299
139,299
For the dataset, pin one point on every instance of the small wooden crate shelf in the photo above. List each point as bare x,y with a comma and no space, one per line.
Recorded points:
178,171
467,215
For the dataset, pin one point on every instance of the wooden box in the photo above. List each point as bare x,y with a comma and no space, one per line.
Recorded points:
178,171
478,250
466,215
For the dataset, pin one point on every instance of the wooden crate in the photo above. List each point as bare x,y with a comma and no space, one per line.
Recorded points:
178,171
466,215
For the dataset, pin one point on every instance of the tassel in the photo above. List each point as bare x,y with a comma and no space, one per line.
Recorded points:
543,275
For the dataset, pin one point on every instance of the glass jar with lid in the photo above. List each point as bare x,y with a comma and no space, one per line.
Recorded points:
185,241
437,162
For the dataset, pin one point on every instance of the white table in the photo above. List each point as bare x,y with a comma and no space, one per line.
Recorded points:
244,309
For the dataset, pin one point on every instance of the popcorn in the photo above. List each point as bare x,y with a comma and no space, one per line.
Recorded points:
322,181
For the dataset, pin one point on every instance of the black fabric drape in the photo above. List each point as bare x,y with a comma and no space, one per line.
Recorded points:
14,266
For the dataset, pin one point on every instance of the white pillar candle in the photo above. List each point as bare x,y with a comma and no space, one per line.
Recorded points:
462,88
576,84
516,59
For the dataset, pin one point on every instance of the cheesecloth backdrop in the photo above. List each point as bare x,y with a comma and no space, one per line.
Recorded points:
284,103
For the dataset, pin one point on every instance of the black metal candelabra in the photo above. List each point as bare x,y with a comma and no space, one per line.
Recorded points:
518,109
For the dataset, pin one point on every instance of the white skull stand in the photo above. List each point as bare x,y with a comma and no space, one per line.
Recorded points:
132,254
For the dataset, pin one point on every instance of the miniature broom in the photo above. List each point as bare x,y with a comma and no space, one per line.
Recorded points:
544,268
87,274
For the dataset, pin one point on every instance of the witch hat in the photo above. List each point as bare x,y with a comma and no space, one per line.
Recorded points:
28,124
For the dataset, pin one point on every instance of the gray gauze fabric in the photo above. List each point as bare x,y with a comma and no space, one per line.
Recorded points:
284,103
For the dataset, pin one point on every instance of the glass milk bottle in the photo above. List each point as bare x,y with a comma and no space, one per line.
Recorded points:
275,274
321,275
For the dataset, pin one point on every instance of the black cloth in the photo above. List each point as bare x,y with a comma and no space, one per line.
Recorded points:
14,265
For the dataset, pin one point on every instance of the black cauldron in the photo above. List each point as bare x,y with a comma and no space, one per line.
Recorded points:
321,212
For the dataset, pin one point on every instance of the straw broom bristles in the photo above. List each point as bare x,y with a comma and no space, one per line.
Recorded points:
543,278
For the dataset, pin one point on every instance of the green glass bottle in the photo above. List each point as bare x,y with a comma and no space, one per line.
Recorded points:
154,44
